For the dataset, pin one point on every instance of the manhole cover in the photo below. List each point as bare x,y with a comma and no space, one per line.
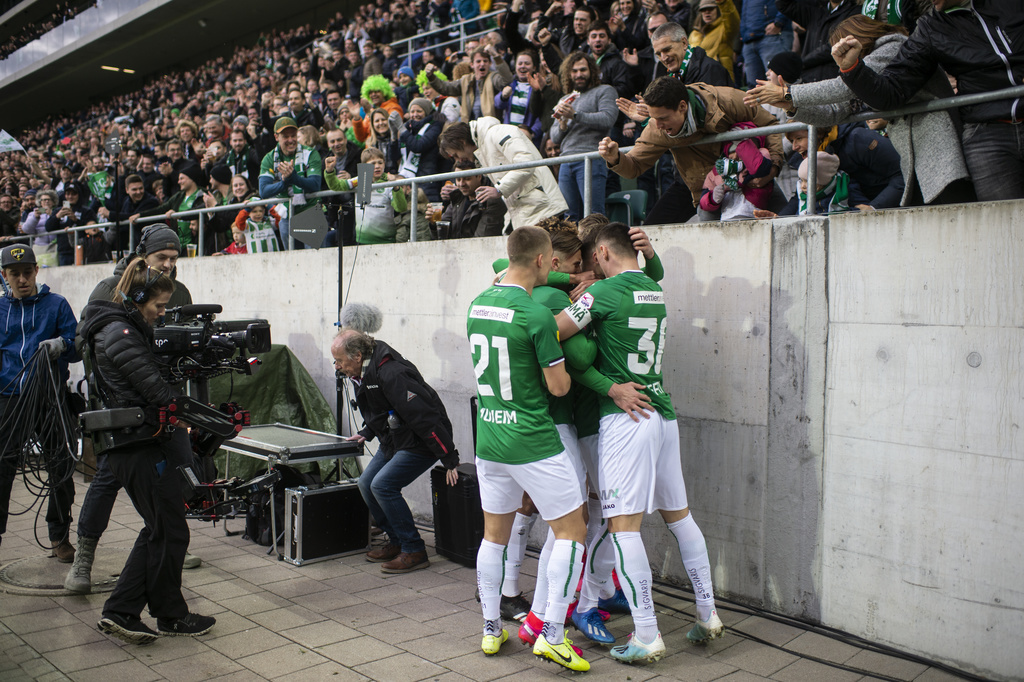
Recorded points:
44,575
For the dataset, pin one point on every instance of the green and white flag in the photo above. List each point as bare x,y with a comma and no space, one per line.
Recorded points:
8,143
99,186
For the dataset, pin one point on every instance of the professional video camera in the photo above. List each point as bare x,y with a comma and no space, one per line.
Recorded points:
203,348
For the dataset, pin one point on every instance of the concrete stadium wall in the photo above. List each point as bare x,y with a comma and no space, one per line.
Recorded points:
848,392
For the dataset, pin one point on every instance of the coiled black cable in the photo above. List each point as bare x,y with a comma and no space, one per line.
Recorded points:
39,433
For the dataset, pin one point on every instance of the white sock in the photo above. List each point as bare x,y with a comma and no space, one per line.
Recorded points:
490,562
516,550
564,568
595,524
635,578
694,551
597,573
540,590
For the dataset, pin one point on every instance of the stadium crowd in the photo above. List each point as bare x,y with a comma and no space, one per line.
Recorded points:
62,11
297,111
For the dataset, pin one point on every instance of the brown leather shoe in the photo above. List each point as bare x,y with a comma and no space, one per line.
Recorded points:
405,562
383,553
63,550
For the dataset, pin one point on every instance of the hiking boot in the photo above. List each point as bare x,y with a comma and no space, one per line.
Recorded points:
79,578
383,553
63,550
405,562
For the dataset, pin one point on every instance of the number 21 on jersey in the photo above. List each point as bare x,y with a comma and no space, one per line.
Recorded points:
500,345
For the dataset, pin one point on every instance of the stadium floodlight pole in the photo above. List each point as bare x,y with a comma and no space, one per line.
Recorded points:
412,217
588,184
812,170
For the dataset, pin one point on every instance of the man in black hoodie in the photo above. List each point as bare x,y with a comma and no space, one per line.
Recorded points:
409,421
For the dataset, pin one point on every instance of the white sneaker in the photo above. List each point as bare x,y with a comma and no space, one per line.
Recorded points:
706,630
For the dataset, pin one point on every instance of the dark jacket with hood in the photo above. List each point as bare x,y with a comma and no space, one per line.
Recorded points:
24,322
104,290
392,383
871,160
119,347
981,44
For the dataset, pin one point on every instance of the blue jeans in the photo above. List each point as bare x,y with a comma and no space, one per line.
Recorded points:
994,153
757,54
381,485
571,178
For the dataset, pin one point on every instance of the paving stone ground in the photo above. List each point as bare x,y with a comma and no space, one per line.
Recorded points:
345,620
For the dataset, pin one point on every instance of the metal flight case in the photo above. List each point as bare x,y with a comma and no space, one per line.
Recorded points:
325,522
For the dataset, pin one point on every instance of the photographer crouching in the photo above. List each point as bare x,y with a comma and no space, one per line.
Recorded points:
409,421
115,338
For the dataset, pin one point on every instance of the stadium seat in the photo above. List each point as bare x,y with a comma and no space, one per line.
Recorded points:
628,207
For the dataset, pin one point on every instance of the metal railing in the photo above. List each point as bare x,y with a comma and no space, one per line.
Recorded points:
587,158
460,40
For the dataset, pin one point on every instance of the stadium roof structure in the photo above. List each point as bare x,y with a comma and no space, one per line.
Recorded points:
154,36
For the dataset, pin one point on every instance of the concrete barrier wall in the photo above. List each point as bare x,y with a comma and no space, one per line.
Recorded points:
848,392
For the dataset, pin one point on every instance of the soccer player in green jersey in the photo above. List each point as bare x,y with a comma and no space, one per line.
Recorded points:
638,452
518,361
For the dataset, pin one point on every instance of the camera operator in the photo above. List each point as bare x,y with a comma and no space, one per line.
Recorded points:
116,339
409,421
159,249
32,317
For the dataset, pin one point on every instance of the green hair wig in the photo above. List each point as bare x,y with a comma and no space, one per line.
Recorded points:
423,81
376,84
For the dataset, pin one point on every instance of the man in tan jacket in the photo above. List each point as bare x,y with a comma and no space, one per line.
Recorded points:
680,116
531,194
476,90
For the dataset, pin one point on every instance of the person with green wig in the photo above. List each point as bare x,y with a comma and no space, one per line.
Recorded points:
376,93
449,107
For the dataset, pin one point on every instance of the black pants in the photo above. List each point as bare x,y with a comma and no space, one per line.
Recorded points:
675,206
59,470
102,493
152,575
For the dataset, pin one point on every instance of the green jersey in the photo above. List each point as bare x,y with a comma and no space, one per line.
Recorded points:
512,338
627,314
556,300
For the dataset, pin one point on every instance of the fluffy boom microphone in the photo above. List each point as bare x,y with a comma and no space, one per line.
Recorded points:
362,317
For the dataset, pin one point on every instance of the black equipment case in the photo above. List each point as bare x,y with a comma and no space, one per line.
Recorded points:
458,518
325,522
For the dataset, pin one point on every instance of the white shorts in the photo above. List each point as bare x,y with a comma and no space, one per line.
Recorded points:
552,484
567,432
639,466
588,453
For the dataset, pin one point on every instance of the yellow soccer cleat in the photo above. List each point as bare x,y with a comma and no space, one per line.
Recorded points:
492,643
563,654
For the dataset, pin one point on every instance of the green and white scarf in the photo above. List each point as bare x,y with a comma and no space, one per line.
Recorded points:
730,170
410,160
519,100
695,115
838,188
300,166
894,15
681,73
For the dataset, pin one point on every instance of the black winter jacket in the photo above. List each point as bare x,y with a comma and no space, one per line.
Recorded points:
390,382
702,69
871,160
819,20
982,45
119,347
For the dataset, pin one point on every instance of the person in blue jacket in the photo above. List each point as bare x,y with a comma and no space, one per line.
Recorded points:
33,318
764,32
